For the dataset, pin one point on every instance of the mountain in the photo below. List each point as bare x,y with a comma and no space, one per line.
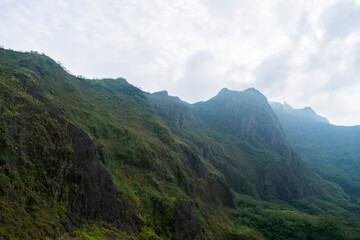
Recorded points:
333,151
306,114
247,144
101,159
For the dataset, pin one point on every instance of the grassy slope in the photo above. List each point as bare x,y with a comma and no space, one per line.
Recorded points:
145,155
25,123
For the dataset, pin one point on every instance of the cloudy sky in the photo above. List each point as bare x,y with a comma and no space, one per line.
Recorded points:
304,52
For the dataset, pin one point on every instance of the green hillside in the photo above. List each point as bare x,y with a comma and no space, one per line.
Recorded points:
101,159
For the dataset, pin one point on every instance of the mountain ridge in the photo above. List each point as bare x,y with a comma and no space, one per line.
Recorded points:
306,113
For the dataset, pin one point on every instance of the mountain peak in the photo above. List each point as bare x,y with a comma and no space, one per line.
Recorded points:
306,113
253,90
309,110
161,93
224,91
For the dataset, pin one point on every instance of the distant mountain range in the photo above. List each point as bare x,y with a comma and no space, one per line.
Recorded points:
101,159
333,151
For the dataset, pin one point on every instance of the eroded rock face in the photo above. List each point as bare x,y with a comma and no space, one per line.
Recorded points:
248,116
185,225
92,195
171,109
290,179
91,192
217,190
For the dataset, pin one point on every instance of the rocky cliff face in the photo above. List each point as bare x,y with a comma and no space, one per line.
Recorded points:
185,225
91,192
216,189
290,179
56,163
170,109
246,118
244,114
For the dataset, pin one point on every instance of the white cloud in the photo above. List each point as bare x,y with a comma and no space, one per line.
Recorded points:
304,52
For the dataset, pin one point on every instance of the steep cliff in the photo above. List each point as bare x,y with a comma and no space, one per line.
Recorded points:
246,144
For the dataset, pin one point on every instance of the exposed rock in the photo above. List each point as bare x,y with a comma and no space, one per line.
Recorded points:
248,116
92,195
168,107
161,93
185,225
217,189
290,179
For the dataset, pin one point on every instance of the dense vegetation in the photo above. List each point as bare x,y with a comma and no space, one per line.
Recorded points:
100,159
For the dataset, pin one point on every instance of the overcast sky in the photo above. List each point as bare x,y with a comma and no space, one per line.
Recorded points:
304,52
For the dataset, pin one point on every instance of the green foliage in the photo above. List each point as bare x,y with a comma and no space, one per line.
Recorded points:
4,180
147,234
276,220
199,219
92,232
67,149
